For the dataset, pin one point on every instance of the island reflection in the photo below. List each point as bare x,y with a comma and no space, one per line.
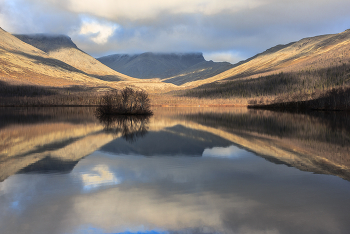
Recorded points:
318,141
130,127
195,171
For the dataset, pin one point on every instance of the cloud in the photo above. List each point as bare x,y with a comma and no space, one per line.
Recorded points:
98,32
135,10
21,17
228,56
223,29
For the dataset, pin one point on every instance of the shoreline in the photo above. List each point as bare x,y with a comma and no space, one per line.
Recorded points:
155,105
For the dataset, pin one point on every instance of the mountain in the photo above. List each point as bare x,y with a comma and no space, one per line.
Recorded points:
192,70
312,53
171,67
151,65
24,64
61,47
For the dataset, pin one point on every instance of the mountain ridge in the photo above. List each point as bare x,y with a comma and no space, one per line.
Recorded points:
40,41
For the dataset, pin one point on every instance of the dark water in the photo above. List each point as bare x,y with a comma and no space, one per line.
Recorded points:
62,170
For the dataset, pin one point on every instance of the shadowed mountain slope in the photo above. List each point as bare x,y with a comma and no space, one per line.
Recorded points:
61,47
199,71
173,68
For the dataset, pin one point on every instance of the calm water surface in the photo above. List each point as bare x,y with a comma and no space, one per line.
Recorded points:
183,170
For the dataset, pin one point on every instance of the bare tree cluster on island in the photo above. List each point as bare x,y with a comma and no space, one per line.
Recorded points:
125,102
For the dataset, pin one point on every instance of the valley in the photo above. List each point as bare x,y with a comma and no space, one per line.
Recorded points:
51,70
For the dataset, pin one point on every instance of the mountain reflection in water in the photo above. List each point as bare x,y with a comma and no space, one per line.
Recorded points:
316,141
196,170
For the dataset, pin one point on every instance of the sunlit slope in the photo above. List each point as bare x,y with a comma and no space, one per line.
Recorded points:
22,63
308,53
61,47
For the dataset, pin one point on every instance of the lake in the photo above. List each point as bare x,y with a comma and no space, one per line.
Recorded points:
183,170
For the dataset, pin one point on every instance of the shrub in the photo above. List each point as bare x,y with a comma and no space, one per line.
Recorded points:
125,102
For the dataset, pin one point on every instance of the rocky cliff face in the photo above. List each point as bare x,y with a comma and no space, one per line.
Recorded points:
47,42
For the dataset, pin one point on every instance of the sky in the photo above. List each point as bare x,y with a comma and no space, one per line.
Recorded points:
224,30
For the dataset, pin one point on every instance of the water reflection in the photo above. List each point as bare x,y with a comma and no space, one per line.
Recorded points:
223,152
108,193
99,175
131,127
47,140
195,171
317,141
168,141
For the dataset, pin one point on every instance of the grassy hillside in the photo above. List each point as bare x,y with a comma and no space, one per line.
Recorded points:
307,54
23,64
311,68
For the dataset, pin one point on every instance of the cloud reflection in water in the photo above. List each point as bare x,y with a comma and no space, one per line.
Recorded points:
178,195
224,152
99,175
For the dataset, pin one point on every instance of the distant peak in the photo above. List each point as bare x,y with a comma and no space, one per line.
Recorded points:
197,55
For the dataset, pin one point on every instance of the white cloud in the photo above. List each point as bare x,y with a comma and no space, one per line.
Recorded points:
98,32
224,56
